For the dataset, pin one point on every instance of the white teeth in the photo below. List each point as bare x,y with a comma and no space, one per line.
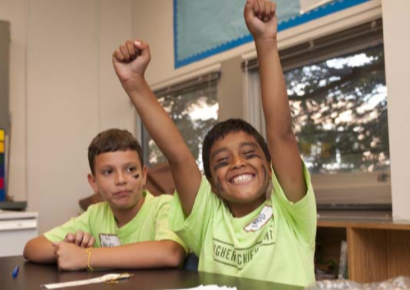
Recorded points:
242,178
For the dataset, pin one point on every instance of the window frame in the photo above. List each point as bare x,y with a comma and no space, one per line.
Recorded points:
183,83
339,191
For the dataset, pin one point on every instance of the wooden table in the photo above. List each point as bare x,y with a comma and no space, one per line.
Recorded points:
31,276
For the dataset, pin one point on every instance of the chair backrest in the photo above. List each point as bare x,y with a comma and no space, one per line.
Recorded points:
159,180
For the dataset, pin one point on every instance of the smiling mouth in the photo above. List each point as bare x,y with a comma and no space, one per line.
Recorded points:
244,178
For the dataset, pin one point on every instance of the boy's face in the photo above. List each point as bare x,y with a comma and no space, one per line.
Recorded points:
240,171
119,178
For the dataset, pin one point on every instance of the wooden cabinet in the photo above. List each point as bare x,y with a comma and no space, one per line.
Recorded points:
377,249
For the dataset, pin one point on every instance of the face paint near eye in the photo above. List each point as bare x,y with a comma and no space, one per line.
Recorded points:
136,176
220,165
218,185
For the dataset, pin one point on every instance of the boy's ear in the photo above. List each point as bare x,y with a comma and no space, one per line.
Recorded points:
92,182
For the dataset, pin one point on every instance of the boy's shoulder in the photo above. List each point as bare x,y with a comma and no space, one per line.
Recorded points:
158,200
99,208
164,197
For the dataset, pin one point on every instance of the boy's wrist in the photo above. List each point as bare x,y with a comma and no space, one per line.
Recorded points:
135,83
267,42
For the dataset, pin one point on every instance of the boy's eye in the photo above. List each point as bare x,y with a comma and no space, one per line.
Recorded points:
107,172
250,154
222,160
131,169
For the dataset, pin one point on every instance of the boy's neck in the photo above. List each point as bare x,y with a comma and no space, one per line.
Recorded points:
239,210
124,216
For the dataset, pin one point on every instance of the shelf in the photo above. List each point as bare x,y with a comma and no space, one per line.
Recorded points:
378,247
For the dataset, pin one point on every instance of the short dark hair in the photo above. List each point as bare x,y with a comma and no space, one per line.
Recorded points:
221,130
113,140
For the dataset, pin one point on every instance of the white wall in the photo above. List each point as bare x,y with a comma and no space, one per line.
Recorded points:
63,92
397,47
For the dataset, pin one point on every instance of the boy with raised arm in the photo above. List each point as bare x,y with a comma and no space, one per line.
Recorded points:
231,219
128,230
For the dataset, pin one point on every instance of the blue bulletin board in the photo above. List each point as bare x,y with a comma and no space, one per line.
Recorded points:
205,28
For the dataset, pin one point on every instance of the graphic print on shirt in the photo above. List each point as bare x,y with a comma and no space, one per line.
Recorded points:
227,254
109,241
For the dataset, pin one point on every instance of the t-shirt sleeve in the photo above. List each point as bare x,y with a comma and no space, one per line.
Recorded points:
302,215
162,230
80,223
192,229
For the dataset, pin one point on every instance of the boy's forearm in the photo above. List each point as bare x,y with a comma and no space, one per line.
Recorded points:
273,89
281,139
39,250
163,131
151,254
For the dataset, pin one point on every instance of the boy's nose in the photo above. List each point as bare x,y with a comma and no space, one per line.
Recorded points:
120,179
237,162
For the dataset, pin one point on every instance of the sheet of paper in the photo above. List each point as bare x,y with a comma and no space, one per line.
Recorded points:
105,278
209,287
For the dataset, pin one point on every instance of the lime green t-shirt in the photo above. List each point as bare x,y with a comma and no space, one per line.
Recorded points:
275,242
150,224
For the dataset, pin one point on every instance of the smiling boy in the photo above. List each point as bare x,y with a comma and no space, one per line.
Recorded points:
128,230
233,219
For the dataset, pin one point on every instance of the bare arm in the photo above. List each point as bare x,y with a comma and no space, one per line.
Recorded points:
151,254
260,17
39,250
130,62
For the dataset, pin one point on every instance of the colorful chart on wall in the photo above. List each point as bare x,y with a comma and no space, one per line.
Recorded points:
205,28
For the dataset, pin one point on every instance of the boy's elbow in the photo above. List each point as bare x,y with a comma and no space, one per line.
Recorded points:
28,251
39,250
176,256
25,253
174,261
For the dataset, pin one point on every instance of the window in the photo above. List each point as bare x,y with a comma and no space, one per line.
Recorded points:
193,106
338,99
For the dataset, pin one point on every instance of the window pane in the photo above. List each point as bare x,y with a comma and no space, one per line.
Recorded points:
194,111
339,111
